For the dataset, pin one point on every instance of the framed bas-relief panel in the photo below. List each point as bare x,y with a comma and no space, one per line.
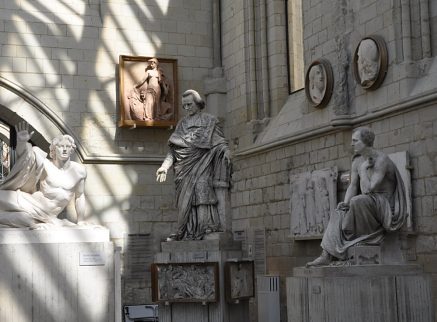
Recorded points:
313,197
148,91
239,280
319,82
185,282
370,62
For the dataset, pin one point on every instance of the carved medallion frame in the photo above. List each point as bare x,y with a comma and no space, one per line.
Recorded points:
180,276
131,72
328,75
382,63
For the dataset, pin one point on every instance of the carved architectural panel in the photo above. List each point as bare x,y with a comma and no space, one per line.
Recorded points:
313,195
185,282
239,280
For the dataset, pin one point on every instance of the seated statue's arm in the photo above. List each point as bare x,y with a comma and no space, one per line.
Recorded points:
352,190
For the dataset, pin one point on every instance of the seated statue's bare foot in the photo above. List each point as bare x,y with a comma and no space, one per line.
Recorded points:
324,259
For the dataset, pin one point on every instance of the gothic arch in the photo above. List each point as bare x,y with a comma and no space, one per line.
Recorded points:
16,104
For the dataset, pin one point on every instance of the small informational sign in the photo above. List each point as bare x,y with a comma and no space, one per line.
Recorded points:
91,259
239,235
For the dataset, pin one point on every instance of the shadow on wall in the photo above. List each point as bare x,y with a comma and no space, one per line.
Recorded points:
57,53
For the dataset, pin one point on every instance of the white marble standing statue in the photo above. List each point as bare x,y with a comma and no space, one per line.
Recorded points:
37,189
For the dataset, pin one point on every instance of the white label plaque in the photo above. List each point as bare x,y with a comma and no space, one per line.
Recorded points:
91,259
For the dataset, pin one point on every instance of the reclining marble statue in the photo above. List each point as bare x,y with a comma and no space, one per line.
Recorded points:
37,189
200,157
375,202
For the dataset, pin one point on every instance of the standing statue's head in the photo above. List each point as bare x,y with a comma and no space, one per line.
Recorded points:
192,102
152,63
62,147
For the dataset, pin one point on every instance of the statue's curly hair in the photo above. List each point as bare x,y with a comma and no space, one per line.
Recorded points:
60,138
196,97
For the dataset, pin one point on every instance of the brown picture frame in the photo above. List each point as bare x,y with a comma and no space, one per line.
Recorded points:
179,282
239,280
147,97
382,61
320,97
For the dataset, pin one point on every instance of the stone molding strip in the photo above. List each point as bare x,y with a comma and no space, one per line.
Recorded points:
347,122
83,154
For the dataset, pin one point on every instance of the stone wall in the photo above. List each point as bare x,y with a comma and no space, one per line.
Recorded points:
261,195
64,56
299,137
63,59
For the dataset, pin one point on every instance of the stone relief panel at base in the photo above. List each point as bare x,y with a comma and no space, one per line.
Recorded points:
239,280
313,198
185,282
200,157
38,189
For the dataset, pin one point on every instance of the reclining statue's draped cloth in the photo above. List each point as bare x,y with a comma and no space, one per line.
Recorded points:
21,205
368,217
198,149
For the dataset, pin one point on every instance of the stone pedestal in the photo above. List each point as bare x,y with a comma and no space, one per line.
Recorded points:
65,274
362,293
220,250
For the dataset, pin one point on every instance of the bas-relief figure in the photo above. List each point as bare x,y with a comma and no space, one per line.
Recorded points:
187,282
241,280
375,202
148,99
317,83
313,198
37,189
368,62
200,156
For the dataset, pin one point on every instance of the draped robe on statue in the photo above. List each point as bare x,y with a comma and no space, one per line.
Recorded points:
198,148
368,218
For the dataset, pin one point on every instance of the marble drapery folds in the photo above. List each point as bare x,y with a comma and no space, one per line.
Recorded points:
199,151
368,218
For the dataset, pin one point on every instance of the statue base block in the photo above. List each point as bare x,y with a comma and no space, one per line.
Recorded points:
217,250
378,293
62,274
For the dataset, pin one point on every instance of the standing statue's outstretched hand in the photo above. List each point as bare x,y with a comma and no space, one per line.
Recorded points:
161,174
22,130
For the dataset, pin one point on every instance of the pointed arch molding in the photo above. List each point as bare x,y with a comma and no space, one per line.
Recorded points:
17,103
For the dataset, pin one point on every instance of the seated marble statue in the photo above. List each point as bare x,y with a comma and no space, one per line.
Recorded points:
200,156
37,189
375,202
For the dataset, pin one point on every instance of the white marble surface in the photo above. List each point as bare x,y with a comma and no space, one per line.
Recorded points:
42,279
77,234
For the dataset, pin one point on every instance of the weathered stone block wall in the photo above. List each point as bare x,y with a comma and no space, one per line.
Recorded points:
261,194
66,55
255,65
300,138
